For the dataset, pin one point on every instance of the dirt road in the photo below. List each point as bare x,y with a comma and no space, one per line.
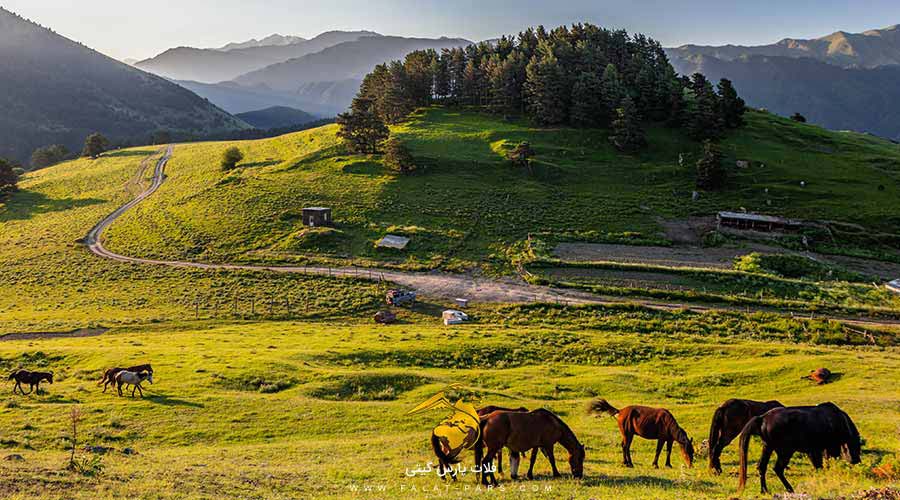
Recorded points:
437,285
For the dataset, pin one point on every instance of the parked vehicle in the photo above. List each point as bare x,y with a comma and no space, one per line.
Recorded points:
400,297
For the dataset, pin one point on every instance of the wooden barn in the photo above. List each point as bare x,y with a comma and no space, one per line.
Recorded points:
756,222
317,217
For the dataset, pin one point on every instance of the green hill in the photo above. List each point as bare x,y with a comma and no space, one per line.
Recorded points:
467,202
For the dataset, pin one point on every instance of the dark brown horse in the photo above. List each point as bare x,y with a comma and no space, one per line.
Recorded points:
813,430
109,376
445,462
728,422
33,379
648,423
536,430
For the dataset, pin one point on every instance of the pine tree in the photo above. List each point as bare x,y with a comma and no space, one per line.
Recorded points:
731,106
588,107
441,71
545,93
397,157
704,118
361,128
419,77
626,131
395,104
612,92
710,172
95,145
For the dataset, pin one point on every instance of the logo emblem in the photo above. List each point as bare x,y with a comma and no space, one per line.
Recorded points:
460,430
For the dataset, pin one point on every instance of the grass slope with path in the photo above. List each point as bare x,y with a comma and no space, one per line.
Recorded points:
468,204
309,409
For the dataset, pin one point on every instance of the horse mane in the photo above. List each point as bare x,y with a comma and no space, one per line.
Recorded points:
567,431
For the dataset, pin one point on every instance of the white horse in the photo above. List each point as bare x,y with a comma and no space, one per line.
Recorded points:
125,377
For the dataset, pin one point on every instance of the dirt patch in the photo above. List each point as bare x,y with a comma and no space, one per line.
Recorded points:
626,279
81,332
687,231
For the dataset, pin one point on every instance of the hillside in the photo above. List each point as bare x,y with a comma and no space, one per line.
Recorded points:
469,203
217,65
869,49
349,60
864,100
56,91
276,117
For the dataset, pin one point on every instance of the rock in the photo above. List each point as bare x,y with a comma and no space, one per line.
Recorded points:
129,451
14,458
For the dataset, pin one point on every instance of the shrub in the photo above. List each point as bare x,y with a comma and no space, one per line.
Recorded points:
397,157
231,158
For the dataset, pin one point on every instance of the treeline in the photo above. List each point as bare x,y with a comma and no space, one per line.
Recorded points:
582,76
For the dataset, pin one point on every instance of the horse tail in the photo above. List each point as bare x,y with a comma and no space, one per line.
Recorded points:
439,452
753,428
599,406
104,378
715,430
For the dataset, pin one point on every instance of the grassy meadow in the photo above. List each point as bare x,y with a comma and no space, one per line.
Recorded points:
307,409
467,203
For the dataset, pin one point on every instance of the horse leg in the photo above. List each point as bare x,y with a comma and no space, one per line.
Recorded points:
534,454
514,460
669,453
626,449
817,459
500,461
659,445
139,390
489,459
784,458
548,452
17,386
763,465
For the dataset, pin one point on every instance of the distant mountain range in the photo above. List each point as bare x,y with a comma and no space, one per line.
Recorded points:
56,91
277,117
843,81
322,83
217,65
275,40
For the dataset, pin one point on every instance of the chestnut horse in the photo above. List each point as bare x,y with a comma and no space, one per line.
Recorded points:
445,462
109,376
648,423
813,430
728,422
33,379
536,430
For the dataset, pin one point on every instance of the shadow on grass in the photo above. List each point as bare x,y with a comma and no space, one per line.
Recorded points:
122,154
645,481
370,168
165,400
260,164
24,205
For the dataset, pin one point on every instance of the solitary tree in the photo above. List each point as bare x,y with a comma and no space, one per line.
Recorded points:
627,133
48,155
397,157
95,145
361,128
231,158
710,172
8,177
522,155
797,117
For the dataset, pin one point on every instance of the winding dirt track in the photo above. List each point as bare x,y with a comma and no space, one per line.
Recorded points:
436,285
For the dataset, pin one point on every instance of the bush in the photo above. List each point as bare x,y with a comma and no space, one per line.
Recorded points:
795,267
398,158
231,158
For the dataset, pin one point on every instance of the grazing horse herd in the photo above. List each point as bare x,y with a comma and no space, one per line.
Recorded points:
816,431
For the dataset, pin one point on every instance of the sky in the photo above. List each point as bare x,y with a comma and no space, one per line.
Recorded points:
141,29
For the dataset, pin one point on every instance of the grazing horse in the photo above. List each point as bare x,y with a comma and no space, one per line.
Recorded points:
126,377
536,430
445,461
813,430
728,422
33,379
648,423
109,376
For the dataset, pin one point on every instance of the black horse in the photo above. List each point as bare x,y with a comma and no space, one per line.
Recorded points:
33,379
728,422
814,430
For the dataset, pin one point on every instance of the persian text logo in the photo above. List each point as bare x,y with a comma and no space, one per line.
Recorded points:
458,432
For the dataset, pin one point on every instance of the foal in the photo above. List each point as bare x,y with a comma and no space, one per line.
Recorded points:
648,423
126,377
33,379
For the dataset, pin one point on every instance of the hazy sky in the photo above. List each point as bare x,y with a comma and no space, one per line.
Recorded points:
139,29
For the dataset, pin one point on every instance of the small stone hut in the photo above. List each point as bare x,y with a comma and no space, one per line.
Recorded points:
317,217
